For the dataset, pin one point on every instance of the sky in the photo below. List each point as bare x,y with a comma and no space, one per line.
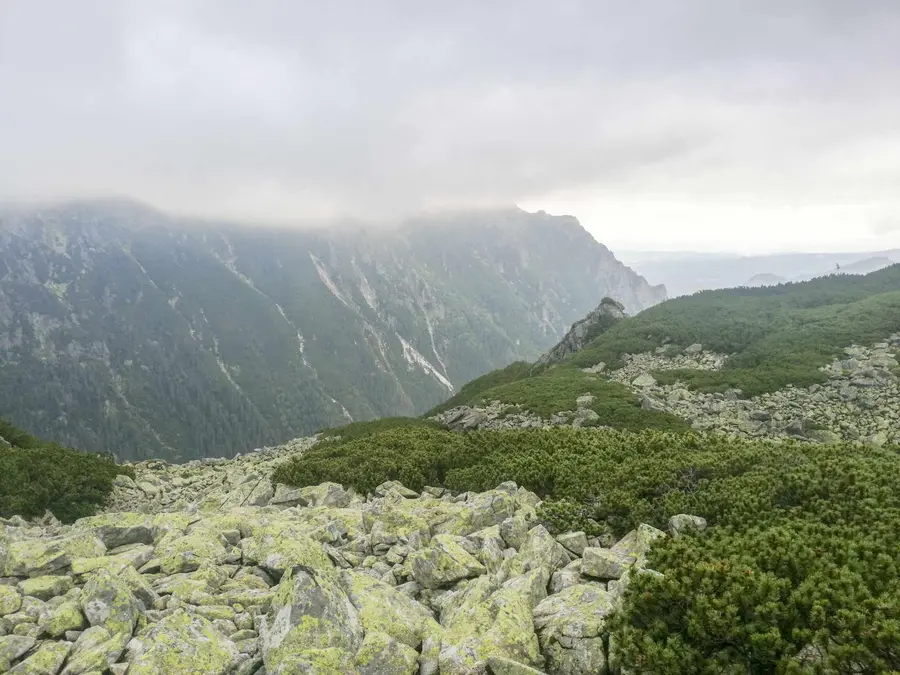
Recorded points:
695,125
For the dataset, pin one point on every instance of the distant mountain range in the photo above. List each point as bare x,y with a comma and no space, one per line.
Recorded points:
684,273
124,329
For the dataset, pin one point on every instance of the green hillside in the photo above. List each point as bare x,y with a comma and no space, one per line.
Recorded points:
775,336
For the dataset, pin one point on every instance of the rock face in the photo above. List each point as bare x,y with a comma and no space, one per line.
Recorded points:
598,321
860,402
256,327
395,583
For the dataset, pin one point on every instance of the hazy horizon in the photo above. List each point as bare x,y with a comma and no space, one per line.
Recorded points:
700,126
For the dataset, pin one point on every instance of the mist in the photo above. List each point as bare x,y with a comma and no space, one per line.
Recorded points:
699,125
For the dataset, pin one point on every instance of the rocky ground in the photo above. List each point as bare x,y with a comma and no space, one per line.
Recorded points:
213,482
214,571
860,402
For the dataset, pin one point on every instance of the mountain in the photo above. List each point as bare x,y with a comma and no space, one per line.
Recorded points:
684,273
127,330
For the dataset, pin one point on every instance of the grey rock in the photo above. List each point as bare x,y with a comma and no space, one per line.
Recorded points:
683,522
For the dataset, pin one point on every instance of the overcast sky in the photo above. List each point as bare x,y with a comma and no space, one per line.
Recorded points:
743,125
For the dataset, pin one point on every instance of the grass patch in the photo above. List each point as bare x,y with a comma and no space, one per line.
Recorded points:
356,430
557,389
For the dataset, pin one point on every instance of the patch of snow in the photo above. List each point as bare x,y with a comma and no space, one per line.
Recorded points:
143,271
229,263
329,284
344,411
223,367
384,365
433,345
364,287
414,358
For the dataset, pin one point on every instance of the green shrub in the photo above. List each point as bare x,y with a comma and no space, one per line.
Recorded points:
556,389
414,455
361,429
37,476
474,390
801,548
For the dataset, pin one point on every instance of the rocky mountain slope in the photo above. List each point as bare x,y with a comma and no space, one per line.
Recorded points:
814,361
601,319
214,570
129,331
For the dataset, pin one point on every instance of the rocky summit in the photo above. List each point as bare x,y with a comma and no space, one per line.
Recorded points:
214,570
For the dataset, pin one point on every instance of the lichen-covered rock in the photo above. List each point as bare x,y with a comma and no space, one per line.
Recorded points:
683,522
179,552
443,562
107,601
500,625
66,616
571,575
384,609
10,600
14,646
44,588
380,654
434,584
182,644
278,549
119,529
499,665
46,660
135,557
604,563
482,510
311,617
637,543
396,522
325,494
94,651
570,626
540,549
514,530
35,557
574,542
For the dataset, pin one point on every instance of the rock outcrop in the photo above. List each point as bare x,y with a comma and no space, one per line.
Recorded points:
607,314
211,573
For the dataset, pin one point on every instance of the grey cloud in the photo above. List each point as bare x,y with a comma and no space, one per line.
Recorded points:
283,109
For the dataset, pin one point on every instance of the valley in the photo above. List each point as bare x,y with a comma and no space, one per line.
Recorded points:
126,330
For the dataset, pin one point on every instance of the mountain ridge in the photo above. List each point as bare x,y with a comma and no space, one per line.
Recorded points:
123,329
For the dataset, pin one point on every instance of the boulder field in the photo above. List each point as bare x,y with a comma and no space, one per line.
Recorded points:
225,573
